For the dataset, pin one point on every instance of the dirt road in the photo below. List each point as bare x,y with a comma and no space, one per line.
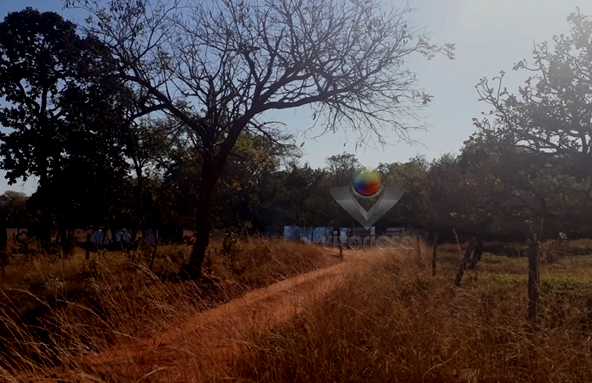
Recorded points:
199,347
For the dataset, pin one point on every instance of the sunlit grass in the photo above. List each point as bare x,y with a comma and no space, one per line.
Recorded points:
392,322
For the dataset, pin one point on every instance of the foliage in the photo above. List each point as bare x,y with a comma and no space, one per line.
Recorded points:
15,210
232,61
64,116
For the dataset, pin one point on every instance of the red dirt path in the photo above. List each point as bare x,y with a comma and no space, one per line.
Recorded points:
198,348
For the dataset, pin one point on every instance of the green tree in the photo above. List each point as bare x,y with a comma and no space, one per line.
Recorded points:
149,147
341,168
546,125
3,239
520,189
411,176
15,210
64,116
238,197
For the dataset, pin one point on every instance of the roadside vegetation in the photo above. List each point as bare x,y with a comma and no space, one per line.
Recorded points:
389,320
53,310
392,321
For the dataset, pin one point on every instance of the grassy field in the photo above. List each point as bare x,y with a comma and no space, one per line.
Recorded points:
54,309
392,321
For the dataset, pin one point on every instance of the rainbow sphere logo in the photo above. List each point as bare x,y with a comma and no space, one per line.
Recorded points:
366,182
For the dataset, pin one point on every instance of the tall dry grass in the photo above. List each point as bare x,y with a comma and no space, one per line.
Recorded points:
390,322
54,310
393,322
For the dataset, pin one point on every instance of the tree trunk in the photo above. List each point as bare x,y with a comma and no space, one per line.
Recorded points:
435,250
202,234
463,263
211,170
45,226
20,241
3,230
210,174
46,222
64,243
533,280
3,241
476,254
72,242
138,222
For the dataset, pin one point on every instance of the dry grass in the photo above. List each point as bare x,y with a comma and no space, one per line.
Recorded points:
52,311
394,322
390,322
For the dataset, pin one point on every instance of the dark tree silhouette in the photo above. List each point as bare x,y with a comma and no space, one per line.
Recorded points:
64,113
218,67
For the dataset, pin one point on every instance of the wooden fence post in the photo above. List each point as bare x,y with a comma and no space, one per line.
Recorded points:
435,240
463,263
477,253
533,279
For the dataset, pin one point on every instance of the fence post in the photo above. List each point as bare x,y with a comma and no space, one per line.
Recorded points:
533,279
463,263
476,254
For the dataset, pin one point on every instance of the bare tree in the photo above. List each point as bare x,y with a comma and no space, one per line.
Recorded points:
219,66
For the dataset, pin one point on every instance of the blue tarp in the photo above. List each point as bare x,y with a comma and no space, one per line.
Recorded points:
98,237
123,236
307,234
150,236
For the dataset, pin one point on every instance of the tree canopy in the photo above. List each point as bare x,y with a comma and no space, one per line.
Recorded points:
65,115
155,114
217,68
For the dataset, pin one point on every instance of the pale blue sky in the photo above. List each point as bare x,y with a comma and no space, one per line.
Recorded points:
490,35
